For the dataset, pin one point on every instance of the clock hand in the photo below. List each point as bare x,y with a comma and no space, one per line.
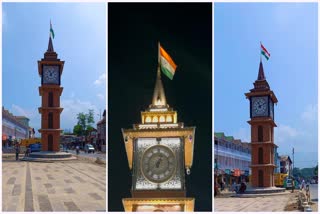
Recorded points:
158,162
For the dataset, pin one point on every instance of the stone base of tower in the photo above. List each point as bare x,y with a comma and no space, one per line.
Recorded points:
49,156
158,204
262,176
262,190
50,140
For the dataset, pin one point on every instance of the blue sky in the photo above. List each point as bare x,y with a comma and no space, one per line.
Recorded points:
289,32
80,40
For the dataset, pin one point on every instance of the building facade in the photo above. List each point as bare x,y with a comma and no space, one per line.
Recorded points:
232,158
13,127
102,135
285,164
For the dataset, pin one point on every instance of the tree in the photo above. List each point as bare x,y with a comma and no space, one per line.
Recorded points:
296,172
315,172
85,123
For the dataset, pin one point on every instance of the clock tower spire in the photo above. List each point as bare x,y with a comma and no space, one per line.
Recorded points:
50,45
262,100
159,97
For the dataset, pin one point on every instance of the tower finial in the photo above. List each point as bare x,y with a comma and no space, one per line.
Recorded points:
261,75
50,45
159,97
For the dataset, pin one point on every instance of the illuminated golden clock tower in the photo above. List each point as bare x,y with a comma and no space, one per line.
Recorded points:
160,153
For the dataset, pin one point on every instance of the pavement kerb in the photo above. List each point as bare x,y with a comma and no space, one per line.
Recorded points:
92,159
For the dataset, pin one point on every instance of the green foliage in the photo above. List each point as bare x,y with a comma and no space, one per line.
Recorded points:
315,171
305,172
85,123
77,129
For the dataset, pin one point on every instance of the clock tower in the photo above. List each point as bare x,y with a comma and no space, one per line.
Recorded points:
160,153
50,69
262,100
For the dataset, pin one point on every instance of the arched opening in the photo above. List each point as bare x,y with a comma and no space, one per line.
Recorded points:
260,178
260,156
50,99
50,142
260,133
148,119
155,119
162,119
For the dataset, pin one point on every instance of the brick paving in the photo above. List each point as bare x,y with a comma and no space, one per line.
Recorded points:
256,204
59,186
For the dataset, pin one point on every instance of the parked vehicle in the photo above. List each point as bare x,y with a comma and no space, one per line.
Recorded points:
35,147
279,179
287,183
88,148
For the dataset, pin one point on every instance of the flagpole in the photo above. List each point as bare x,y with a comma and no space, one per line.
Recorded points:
158,69
260,51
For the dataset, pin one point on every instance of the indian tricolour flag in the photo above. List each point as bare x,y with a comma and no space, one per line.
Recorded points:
167,65
264,52
51,31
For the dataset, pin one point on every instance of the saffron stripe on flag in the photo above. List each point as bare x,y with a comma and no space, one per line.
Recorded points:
264,49
164,54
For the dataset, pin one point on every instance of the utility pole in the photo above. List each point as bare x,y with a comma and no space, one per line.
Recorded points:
292,160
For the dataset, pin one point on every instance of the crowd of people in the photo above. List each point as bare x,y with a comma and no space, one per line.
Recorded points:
238,188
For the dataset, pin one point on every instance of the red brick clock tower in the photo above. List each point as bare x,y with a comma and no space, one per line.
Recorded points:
50,69
262,100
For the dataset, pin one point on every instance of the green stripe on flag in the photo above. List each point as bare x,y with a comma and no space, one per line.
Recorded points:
52,33
264,54
167,72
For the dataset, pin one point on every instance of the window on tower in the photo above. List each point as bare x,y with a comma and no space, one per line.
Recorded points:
50,120
260,156
260,133
50,99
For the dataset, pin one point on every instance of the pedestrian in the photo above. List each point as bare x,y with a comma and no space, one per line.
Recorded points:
292,183
77,150
17,149
234,187
302,184
221,185
308,193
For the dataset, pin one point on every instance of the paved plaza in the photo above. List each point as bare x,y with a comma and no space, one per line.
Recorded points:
275,203
265,204
58,186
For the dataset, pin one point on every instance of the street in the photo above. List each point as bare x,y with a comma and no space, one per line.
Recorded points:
314,192
59,186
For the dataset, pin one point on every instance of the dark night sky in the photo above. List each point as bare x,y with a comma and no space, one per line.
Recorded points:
185,32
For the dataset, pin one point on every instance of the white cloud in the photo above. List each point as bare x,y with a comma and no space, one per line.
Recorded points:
243,134
32,114
100,96
284,133
4,20
71,107
101,80
310,113
19,111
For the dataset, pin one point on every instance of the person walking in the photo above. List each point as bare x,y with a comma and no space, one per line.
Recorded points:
77,150
17,149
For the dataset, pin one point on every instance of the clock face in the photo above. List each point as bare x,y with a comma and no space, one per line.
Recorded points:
50,74
271,108
158,163
259,106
